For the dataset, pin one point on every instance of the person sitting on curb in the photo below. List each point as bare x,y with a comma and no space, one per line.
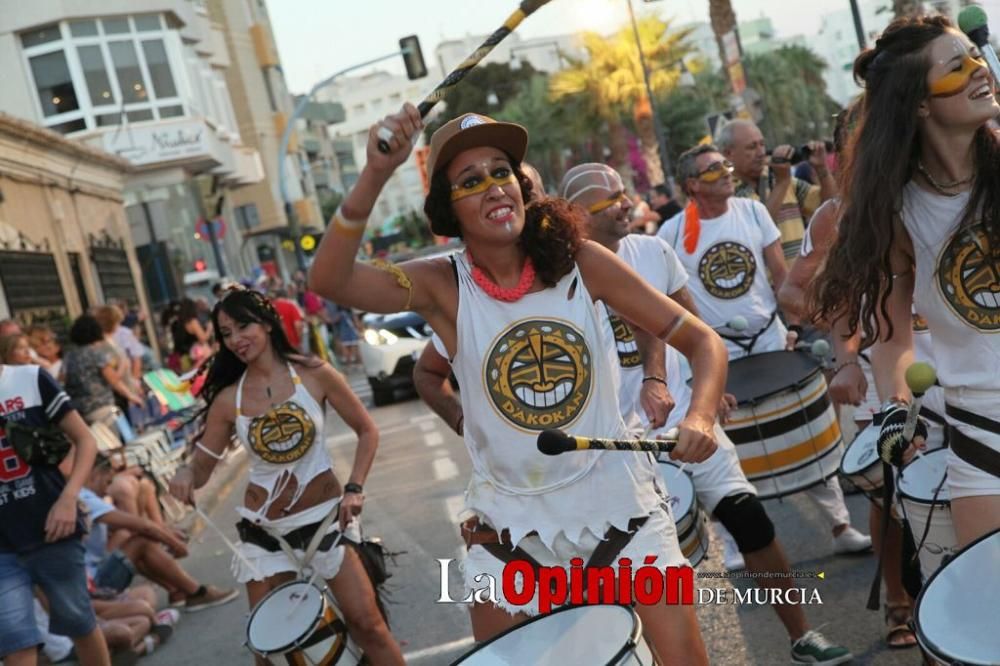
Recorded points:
141,551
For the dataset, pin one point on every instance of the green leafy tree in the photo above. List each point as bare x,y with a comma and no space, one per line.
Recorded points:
611,82
795,102
684,111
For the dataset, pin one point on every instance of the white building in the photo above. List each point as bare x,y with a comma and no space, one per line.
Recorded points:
145,80
837,43
366,100
545,54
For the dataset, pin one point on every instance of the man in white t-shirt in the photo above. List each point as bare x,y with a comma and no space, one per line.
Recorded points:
728,246
651,380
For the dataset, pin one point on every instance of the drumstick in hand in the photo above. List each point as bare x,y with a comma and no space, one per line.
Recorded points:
526,8
920,376
554,442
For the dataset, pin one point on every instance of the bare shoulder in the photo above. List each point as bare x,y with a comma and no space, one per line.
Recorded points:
224,405
593,256
317,372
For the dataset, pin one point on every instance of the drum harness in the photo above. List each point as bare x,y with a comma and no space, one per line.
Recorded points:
747,342
972,450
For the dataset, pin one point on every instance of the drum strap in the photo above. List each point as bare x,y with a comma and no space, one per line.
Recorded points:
747,342
974,452
888,491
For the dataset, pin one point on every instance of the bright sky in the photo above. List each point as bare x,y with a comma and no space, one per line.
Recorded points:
319,37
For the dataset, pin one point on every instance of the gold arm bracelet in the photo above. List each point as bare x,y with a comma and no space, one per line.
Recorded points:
402,279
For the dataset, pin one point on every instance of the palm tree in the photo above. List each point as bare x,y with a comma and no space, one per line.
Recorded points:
611,81
905,8
720,13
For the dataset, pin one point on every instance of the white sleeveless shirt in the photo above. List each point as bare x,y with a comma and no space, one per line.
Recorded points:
527,366
956,290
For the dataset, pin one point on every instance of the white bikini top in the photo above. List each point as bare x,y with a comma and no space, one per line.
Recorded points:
281,442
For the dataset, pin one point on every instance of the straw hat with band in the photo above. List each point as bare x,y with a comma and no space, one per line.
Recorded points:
472,130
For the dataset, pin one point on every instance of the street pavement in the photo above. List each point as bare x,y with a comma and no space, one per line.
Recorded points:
414,496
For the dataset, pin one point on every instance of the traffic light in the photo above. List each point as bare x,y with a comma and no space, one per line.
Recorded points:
200,265
413,57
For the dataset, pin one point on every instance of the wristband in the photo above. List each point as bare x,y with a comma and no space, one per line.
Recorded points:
843,365
354,488
654,378
796,329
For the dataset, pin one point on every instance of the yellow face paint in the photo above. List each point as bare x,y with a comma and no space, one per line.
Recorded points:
477,184
715,171
605,204
955,82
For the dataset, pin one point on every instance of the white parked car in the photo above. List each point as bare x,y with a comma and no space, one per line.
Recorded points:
390,345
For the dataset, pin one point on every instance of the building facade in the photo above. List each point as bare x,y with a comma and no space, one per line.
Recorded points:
65,243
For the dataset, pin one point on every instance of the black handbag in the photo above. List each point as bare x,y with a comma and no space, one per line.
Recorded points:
36,445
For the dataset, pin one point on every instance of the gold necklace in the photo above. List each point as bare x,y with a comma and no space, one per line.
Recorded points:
943,187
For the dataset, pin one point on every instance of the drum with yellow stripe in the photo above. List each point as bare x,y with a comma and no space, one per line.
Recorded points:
785,430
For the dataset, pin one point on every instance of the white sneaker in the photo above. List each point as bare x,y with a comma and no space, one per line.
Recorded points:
851,541
732,559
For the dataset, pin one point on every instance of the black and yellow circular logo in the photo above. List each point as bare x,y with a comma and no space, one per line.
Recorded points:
969,279
282,434
628,350
727,270
538,374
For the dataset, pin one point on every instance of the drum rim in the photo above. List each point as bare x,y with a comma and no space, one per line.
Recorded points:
922,638
631,643
690,479
796,384
298,641
920,500
847,449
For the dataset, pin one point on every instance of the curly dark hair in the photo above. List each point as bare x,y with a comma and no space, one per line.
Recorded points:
85,330
244,306
880,159
551,244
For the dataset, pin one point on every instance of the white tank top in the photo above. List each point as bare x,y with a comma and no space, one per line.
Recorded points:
957,290
285,443
527,366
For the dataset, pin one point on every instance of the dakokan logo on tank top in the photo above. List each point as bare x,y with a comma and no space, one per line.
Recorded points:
282,434
628,350
539,374
969,279
727,270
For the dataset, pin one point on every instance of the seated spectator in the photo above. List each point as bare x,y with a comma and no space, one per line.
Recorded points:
131,623
141,552
92,377
40,527
128,352
15,350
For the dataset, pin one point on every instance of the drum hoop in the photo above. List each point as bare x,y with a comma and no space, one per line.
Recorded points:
295,643
753,402
925,642
541,616
633,639
860,470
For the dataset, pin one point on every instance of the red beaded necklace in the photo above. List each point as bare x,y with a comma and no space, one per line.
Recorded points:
505,294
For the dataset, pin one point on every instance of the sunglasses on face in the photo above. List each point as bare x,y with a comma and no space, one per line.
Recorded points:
956,81
477,183
604,204
715,171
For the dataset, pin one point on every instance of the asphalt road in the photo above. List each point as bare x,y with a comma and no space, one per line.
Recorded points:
414,495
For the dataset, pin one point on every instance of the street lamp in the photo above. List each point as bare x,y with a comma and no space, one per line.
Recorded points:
661,140
413,59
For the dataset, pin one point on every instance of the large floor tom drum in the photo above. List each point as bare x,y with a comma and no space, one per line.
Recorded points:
785,430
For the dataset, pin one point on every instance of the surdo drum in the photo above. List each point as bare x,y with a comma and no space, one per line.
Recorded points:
298,620
689,516
923,493
784,428
956,613
578,635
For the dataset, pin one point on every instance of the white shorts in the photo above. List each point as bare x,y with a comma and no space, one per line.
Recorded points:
721,475
257,563
866,411
966,480
658,536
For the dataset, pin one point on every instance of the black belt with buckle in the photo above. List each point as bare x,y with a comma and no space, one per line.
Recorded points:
298,538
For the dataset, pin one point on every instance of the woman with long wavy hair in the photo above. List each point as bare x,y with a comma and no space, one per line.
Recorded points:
273,399
920,226
516,314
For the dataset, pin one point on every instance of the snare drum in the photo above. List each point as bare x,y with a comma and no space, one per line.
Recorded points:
690,518
918,483
956,613
861,464
299,617
785,430
579,635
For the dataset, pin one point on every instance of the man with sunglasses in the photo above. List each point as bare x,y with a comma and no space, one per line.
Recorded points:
790,201
728,246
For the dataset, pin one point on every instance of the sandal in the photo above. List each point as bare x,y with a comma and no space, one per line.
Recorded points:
899,635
